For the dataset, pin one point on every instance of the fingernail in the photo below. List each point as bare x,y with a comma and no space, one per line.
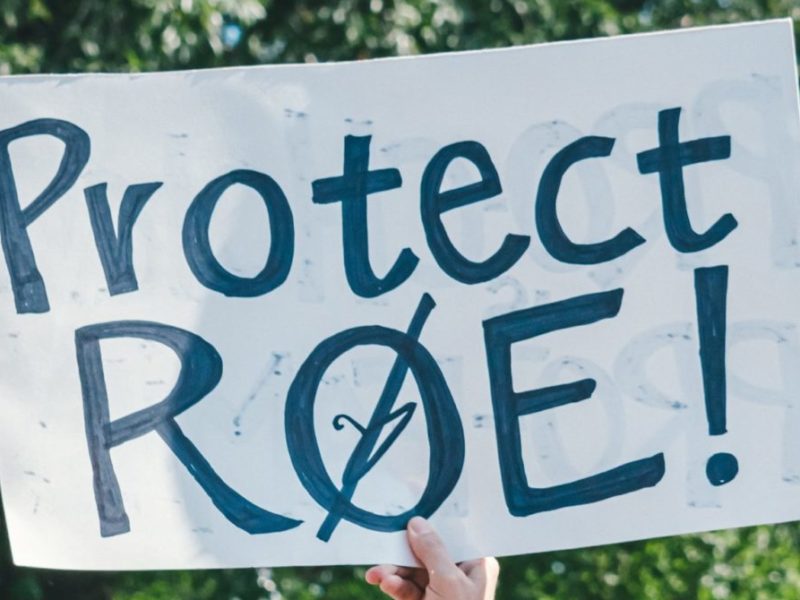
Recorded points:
372,576
419,526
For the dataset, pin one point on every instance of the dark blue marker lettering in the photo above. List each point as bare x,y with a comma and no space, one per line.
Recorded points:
445,433
197,248
668,161
500,333
116,249
711,291
365,455
553,237
352,189
434,203
201,370
27,285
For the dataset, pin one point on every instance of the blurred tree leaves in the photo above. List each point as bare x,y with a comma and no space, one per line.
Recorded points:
36,36
145,35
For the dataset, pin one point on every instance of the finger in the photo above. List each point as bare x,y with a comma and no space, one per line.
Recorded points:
468,565
378,573
484,573
428,547
374,575
476,573
488,566
492,575
400,589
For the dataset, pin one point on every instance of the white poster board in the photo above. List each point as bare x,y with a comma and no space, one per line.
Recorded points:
547,296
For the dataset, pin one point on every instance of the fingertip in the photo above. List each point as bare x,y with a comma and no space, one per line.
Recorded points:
486,568
430,550
419,526
492,565
375,575
391,585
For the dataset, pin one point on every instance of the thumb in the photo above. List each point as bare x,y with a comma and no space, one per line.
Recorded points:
429,549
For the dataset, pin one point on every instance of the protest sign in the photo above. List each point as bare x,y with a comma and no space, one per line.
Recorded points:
546,296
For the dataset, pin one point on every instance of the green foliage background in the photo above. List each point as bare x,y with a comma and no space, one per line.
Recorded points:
44,36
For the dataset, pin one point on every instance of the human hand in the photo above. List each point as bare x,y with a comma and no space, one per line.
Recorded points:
439,576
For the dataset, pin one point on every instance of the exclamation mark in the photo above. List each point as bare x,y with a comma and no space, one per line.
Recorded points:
711,291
